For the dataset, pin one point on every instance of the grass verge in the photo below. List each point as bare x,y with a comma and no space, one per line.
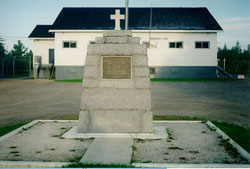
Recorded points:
67,118
239,134
83,165
6,129
189,80
174,117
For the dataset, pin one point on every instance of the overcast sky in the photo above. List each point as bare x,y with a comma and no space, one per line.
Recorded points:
19,17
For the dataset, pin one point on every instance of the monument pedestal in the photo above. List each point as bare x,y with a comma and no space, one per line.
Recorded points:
116,94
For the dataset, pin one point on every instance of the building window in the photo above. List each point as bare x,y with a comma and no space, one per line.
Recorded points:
69,44
175,44
202,45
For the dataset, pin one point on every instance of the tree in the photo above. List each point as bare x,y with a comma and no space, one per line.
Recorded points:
19,49
2,49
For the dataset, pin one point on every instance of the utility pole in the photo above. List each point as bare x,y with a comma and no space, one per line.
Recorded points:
126,21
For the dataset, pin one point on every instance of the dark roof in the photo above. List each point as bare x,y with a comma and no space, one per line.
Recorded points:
42,31
139,19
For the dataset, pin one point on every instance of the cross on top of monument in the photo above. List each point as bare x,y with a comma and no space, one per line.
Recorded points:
117,17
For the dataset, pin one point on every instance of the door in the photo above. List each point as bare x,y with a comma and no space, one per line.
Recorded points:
51,56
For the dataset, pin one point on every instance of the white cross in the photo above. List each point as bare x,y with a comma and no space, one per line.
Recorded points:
117,17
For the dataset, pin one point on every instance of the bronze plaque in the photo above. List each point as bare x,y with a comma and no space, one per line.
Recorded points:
116,67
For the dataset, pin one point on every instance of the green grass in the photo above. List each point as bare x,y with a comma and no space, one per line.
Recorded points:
67,118
190,80
239,134
71,80
6,129
84,165
174,117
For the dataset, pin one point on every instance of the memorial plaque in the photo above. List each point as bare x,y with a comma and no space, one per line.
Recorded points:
116,67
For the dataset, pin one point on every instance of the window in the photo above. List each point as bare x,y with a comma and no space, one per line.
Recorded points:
69,44
175,44
199,45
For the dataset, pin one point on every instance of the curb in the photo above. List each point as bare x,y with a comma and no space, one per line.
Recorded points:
239,149
167,165
31,164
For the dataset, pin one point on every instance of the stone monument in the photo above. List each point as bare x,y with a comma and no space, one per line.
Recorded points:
116,94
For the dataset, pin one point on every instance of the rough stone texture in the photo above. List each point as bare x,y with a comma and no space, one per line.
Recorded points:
134,40
117,40
99,40
115,99
117,33
116,106
109,151
117,49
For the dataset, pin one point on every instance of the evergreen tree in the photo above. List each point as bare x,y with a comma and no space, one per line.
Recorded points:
2,49
19,49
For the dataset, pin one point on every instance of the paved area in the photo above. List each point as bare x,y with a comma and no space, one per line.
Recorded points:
43,142
188,143
26,100
109,151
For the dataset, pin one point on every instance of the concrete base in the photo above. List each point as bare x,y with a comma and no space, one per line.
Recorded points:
109,151
159,133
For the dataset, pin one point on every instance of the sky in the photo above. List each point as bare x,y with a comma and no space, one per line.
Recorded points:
19,17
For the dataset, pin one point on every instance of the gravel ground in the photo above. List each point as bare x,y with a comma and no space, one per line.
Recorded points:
27,100
43,142
188,143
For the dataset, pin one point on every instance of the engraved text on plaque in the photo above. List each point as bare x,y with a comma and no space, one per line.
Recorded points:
116,67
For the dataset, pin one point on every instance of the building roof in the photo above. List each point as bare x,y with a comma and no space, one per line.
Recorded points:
42,31
139,19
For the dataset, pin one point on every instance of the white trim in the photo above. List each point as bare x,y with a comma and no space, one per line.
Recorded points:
134,31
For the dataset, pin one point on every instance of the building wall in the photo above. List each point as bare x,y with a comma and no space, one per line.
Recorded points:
41,48
168,62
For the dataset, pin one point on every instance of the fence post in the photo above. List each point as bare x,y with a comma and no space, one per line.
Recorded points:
13,62
3,67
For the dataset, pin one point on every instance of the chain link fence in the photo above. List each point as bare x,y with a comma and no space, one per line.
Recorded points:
16,66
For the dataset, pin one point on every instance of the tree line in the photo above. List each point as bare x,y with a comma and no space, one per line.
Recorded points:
236,59
18,61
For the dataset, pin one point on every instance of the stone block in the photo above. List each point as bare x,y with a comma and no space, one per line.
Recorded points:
92,60
134,40
142,82
91,82
91,71
83,121
140,60
117,49
99,40
141,71
115,121
115,99
116,84
116,40
147,122
117,33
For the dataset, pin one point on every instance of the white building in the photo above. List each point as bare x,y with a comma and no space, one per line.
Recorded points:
182,42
